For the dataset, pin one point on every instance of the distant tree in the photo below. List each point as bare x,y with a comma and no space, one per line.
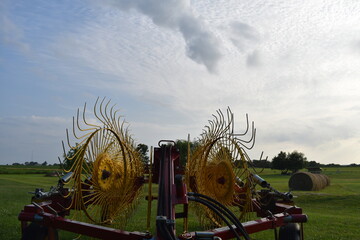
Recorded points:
279,162
296,161
16,164
312,164
143,150
332,165
261,163
44,164
288,162
182,145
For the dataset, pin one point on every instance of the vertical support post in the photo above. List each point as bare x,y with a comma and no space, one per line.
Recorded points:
186,222
149,191
301,231
52,233
165,220
24,224
275,234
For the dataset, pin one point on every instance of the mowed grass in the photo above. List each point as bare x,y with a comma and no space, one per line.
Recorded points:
334,212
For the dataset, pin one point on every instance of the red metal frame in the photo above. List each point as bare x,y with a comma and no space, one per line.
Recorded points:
172,191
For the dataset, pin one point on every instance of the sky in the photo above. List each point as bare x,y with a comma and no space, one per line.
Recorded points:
168,65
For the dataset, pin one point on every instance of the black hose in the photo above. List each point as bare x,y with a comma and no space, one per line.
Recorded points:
230,214
216,211
233,219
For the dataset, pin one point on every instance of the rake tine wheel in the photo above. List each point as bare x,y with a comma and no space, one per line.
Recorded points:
218,168
107,170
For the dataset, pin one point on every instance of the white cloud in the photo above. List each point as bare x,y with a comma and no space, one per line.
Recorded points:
301,91
202,46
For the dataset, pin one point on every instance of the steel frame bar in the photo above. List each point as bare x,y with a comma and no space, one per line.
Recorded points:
91,230
254,226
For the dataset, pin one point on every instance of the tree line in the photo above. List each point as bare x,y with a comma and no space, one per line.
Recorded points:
286,162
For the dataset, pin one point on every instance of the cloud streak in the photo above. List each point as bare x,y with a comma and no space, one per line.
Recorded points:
202,46
292,67
10,33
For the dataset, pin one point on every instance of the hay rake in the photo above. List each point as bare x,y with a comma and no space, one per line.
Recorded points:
104,176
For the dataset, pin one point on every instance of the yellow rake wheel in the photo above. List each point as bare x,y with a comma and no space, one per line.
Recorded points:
107,171
218,169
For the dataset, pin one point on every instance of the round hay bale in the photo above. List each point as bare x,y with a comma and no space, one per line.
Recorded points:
306,181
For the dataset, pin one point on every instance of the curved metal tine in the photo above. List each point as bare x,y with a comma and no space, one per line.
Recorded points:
217,124
74,133
123,130
78,125
92,149
104,138
76,154
230,118
247,128
112,117
92,126
208,134
212,131
252,139
230,129
243,143
86,166
247,156
203,135
226,125
101,112
223,125
95,112
77,120
220,123
63,146
253,131
227,128
211,127
119,126
84,119
235,147
128,137
97,142
262,152
105,116
68,139
73,128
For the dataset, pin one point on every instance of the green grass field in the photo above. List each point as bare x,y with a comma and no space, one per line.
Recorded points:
334,212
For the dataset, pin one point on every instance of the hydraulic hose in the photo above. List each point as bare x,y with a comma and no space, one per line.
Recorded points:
216,211
225,210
